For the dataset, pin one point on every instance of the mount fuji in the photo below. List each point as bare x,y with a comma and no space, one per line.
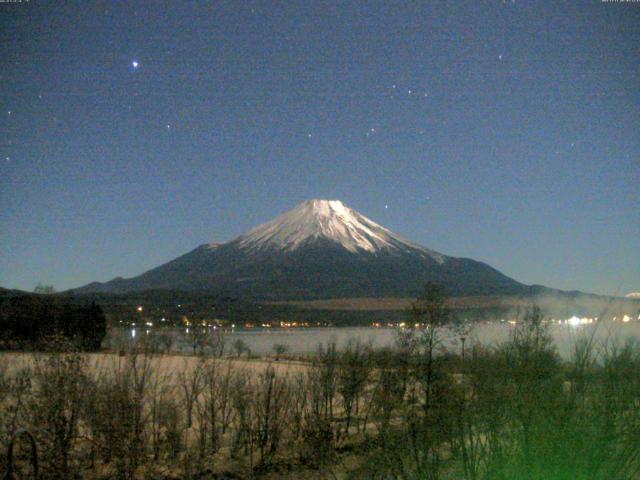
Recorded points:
321,249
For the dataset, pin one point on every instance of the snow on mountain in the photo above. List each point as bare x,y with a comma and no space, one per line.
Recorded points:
633,295
330,220
320,249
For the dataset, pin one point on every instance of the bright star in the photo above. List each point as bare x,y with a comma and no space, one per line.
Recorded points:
135,64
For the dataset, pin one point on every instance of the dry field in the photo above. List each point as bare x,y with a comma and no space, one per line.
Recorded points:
182,415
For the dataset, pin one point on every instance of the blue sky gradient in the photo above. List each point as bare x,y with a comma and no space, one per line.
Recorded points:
502,131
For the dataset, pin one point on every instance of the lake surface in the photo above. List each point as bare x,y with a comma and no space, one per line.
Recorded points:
307,340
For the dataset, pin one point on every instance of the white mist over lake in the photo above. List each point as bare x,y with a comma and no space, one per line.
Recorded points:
307,340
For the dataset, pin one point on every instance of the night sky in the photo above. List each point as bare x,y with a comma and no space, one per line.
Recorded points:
508,132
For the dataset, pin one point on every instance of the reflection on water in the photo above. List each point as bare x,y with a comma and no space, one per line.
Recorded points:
307,340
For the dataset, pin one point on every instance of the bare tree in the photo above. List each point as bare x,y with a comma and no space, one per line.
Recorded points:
240,347
224,386
280,349
242,417
431,313
199,339
353,372
214,406
190,383
270,412
57,406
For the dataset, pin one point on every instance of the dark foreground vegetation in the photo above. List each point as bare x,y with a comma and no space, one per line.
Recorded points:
514,411
27,322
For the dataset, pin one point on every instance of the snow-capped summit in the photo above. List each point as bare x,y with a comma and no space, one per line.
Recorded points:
633,295
329,220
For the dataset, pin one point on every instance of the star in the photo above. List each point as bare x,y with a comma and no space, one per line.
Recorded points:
168,127
386,207
135,64
309,135
500,57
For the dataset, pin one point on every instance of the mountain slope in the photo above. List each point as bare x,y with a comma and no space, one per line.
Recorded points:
320,249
